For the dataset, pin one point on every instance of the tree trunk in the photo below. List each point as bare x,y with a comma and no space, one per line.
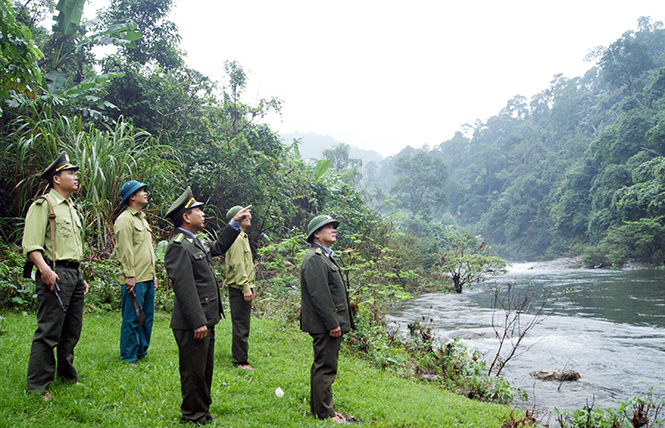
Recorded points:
457,283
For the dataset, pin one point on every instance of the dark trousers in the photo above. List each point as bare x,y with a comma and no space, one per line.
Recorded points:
323,373
135,338
196,367
56,329
241,312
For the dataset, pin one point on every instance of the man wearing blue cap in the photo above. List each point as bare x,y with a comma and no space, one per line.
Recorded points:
133,248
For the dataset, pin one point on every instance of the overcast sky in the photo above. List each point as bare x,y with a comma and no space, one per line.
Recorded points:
381,75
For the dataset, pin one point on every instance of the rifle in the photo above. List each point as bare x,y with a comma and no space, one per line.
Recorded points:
56,290
27,267
140,315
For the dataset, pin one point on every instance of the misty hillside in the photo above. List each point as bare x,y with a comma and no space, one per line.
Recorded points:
313,144
578,168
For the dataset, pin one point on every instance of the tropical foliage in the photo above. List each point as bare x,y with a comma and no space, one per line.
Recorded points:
20,72
565,170
578,167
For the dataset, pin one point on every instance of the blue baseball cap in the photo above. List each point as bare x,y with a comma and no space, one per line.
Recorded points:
129,188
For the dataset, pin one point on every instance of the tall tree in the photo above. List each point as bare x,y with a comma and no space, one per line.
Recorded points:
242,115
421,182
19,70
340,157
159,42
348,167
624,61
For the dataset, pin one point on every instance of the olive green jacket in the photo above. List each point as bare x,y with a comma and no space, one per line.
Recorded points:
239,264
133,245
325,302
68,230
197,301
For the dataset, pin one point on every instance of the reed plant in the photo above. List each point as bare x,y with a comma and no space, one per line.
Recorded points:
106,157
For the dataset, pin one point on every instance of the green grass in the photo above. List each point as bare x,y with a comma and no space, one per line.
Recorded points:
114,394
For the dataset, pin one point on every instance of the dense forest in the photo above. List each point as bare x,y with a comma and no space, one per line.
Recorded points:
140,113
576,170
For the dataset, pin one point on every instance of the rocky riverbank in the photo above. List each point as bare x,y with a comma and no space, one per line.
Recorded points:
561,263
577,263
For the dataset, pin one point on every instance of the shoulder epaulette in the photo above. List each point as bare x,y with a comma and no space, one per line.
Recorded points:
318,251
179,237
40,200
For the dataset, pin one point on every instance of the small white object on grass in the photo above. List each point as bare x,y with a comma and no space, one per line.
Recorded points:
279,392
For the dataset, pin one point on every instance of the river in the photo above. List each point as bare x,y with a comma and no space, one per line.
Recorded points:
608,325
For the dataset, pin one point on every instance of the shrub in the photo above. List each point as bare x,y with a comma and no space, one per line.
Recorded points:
639,411
458,368
633,240
16,292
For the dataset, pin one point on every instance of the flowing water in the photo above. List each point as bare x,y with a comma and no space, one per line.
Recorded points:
607,325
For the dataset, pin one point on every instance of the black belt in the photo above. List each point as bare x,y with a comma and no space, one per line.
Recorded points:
67,264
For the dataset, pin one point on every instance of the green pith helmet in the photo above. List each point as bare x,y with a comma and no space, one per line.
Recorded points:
232,213
317,223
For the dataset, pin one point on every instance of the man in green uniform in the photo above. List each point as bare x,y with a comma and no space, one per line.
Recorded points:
240,281
52,240
133,248
325,313
197,305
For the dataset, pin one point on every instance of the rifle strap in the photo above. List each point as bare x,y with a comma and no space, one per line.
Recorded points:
51,220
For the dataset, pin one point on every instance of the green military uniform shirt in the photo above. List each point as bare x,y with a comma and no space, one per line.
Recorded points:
239,264
68,238
133,245
197,301
325,303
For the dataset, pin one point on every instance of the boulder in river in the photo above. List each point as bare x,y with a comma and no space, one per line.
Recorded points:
468,335
551,375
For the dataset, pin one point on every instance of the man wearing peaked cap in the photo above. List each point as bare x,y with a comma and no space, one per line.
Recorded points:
184,202
134,250
61,163
52,241
325,313
197,305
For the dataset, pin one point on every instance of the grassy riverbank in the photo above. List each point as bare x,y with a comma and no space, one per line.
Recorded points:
115,394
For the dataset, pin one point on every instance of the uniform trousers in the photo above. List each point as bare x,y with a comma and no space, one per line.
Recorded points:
56,329
323,373
196,369
241,312
135,338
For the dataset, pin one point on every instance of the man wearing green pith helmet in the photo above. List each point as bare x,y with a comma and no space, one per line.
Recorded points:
325,313
240,282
